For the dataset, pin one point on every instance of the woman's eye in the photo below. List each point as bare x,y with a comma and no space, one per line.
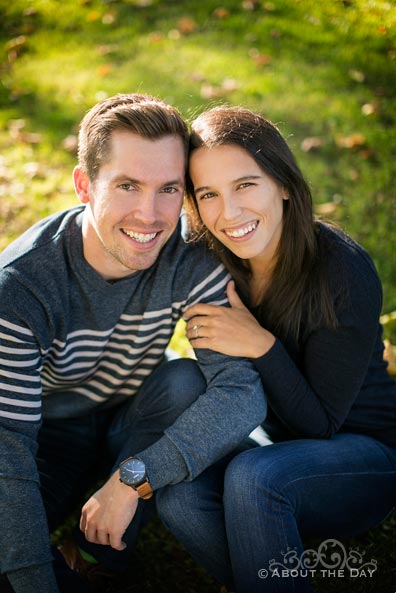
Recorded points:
209,194
244,184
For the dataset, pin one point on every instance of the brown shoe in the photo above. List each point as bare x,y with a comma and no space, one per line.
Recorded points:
96,575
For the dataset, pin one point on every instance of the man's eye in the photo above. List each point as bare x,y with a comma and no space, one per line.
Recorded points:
170,190
126,186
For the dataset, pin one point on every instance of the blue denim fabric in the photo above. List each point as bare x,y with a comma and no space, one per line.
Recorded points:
73,454
241,514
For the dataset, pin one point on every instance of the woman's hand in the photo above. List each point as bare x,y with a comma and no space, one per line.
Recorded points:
232,331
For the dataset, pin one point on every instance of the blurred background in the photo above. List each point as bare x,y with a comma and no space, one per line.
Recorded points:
324,72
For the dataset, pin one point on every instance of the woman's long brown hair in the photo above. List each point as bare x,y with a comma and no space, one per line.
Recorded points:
298,298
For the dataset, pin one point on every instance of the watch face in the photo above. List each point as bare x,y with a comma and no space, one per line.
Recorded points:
132,472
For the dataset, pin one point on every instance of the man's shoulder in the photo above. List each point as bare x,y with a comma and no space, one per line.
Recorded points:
182,252
39,240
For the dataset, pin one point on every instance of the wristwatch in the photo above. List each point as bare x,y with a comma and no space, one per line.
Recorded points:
133,474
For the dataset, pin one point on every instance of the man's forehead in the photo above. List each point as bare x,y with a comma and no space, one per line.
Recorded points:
135,156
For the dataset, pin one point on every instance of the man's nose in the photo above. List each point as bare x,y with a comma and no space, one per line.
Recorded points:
146,209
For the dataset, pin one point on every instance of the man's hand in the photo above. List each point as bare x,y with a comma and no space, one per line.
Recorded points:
107,514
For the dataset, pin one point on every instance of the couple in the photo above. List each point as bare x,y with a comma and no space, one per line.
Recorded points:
89,300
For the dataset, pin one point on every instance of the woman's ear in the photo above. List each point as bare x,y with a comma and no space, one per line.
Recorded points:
81,184
285,194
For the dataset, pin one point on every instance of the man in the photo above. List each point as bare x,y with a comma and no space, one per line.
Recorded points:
89,299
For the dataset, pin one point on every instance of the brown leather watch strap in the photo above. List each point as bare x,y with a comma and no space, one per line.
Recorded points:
144,491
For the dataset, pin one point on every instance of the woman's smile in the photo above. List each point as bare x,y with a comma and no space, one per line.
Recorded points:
242,232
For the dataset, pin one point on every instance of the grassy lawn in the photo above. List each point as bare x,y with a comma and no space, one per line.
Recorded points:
323,71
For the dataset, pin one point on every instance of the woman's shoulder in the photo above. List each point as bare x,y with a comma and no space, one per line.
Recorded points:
340,250
350,268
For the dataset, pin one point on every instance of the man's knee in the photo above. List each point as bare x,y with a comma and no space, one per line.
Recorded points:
179,383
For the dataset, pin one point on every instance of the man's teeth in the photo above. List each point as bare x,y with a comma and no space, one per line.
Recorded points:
141,237
243,231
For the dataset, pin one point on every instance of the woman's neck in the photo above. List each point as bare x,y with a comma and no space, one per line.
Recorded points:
260,279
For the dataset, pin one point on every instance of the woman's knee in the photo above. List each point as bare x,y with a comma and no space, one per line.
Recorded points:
254,473
174,506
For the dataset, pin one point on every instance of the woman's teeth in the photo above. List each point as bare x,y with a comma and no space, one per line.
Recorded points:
243,231
141,237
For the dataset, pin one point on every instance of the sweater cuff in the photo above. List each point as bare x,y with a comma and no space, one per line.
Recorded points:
164,463
34,578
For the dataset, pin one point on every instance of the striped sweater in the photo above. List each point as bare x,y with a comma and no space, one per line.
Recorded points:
71,341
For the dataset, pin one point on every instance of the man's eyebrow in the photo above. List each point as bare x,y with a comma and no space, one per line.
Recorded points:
175,182
128,179
238,180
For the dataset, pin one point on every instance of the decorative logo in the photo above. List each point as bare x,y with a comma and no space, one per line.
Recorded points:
331,559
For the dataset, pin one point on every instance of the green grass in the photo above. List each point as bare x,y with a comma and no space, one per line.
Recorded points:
322,70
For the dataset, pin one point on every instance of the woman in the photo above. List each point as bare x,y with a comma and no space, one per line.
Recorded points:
305,309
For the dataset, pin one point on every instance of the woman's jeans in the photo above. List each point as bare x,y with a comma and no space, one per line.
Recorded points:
243,515
74,454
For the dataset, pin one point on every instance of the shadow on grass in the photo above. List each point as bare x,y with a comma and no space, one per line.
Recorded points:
161,565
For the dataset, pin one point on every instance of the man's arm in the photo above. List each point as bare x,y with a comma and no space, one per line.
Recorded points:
24,537
232,406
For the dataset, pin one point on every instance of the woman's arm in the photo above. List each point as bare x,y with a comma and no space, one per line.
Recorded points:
314,398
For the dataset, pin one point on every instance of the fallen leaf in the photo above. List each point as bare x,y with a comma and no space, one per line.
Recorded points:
155,37
109,18
17,43
221,13
104,69
311,143
210,92
370,108
186,25
174,34
104,50
262,59
367,153
390,357
93,15
258,57
249,4
326,209
357,75
352,141
70,143
229,84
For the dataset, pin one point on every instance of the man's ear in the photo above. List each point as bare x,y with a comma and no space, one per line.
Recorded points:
81,184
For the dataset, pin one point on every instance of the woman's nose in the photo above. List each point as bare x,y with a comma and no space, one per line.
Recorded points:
231,208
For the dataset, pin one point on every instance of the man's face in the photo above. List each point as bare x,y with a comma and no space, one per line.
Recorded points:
133,205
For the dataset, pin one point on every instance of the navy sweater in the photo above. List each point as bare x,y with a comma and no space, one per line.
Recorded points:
335,381
72,343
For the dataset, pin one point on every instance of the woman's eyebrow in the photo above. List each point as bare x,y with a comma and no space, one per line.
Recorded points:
238,180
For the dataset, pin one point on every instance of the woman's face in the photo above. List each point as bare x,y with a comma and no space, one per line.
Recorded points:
239,204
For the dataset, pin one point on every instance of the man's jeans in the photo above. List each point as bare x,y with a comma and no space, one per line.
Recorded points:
242,513
73,454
